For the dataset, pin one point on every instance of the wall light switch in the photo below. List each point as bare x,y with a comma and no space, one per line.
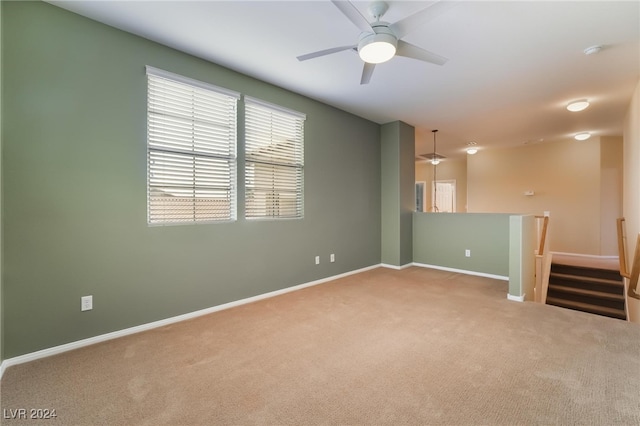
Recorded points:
332,257
467,253
86,303
317,260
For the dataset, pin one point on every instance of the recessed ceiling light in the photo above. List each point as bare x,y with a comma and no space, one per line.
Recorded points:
582,136
578,105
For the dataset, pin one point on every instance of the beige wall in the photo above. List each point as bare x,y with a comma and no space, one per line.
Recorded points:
610,193
631,183
566,179
448,169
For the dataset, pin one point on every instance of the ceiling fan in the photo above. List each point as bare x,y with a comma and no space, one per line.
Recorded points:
381,41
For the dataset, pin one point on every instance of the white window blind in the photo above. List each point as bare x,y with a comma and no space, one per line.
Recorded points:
191,143
274,163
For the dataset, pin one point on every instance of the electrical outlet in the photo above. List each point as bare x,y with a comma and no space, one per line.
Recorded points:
332,257
317,260
467,253
86,303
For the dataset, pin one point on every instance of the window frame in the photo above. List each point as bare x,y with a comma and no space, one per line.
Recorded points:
291,160
210,157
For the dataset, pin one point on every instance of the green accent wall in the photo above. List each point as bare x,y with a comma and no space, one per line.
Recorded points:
398,198
441,239
74,188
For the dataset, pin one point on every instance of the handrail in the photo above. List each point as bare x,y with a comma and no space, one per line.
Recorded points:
622,256
622,247
543,234
635,273
543,262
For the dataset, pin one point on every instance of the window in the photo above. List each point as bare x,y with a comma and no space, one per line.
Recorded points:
420,196
274,150
191,147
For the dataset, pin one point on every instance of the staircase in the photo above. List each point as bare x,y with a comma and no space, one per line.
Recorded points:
593,290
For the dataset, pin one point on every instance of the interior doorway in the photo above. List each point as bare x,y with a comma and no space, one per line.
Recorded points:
443,196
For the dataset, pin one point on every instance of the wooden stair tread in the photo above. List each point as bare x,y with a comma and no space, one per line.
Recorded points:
591,289
586,307
586,279
584,292
612,268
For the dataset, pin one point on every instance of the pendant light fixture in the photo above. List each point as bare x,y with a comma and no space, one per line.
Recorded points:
435,162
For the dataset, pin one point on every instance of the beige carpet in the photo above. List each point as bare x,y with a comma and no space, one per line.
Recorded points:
383,347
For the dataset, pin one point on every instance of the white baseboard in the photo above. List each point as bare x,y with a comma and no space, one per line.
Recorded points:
516,298
462,271
149,326
397,268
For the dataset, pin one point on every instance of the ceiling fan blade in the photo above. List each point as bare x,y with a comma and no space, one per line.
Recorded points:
350,11
411,22
367,71
326,52
408,50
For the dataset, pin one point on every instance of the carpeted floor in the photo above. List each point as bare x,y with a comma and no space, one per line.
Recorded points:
383,347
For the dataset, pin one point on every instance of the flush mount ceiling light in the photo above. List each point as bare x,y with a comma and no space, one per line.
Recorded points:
379,47
471,148
591,50
582,136
578,105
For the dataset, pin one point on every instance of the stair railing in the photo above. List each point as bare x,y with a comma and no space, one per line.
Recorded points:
543,261
622,256
635,272
542,233
622,246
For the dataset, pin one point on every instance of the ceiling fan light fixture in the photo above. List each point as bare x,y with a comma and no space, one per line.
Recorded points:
377,48
578,105
435,161
582,136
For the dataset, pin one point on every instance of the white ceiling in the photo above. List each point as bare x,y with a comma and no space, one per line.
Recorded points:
513,65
